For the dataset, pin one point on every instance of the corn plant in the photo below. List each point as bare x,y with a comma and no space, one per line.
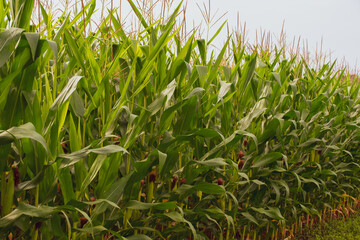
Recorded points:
105,136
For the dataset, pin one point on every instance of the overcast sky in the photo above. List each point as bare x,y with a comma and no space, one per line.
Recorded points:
336,22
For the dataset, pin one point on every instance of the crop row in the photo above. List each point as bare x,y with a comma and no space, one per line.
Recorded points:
104,136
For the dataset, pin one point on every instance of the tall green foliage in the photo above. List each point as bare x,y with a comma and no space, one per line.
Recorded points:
103,135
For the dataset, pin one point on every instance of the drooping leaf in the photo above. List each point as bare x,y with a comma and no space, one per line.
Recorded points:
24,131
72,158
8,41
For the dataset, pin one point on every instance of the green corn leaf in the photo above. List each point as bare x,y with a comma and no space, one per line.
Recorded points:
22,11
267,159
139,237
166,95
214,67
136,205
247,74
92,230
216,162
31,184
271,212
72,158
138,14
24,131
177,217
41,211
8,42
77,104
66,92
233,137
202,71
209,188
202,49
66,185
60,101
250,217
8,194
113,194
44,14
311,142
224,89
216,33
84,204
33,39
93,171
75,50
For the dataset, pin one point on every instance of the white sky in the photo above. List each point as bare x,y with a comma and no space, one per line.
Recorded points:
336,22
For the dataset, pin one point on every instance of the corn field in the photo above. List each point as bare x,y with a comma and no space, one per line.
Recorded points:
110,136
